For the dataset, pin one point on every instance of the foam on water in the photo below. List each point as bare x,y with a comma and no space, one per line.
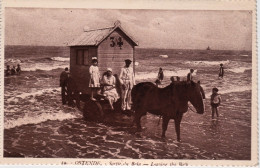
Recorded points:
63,59
43,67
167,73
163,56
12,61
36,118
244,55
32,94
239,70
206,63
231,90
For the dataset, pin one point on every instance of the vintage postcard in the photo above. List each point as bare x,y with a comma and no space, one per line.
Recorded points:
129,83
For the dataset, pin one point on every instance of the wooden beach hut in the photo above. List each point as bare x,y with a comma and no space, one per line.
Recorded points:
111,46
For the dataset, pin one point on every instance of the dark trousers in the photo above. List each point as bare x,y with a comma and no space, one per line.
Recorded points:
63,95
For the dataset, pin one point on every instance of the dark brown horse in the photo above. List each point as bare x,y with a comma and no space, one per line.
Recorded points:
169,102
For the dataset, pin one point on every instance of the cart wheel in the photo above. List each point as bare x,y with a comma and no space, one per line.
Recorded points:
93,111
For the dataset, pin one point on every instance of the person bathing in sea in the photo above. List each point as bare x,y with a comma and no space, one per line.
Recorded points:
189,76
94,82
172,79
18,69
13,71
160,77
8,70
215,102
221,71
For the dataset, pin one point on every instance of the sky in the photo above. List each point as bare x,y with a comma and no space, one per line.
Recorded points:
170,29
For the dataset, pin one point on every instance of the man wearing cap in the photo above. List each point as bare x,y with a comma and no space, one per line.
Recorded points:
127,81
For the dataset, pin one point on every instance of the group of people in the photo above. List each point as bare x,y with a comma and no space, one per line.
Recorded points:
127,81
106,84
126,78
13,71
215,99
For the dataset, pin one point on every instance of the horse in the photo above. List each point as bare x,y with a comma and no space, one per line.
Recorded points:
169,102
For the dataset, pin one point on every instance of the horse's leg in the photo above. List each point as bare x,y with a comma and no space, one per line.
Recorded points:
137,119
177,122
165,125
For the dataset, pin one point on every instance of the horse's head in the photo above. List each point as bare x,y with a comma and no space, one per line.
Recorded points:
195,95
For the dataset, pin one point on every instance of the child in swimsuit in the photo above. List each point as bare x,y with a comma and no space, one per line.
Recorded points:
215,102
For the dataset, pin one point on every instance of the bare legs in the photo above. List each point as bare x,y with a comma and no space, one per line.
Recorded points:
111,104
214,110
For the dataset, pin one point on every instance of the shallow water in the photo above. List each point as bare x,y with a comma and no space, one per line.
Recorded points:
37,125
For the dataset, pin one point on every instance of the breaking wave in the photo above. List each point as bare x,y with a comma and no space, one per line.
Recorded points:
62,59
231,90
38,118
205,63
239,70
167,73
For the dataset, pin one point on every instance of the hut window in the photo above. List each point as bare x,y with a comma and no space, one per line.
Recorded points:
83,57
86,58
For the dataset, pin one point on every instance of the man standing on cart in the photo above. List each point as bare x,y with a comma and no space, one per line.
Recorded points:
127,81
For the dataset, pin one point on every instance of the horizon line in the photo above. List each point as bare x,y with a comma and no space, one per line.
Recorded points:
137,47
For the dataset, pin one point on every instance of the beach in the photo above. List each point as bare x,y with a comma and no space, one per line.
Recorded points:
38,125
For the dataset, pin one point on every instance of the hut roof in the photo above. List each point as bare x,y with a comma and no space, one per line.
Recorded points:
96,36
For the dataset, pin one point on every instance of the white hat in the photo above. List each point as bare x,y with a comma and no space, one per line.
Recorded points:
93,58
109,69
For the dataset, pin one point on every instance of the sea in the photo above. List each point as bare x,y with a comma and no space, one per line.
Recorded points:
37,125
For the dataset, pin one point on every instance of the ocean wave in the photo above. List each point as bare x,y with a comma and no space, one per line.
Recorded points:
42,66
12,62
167,73
32,94
207,62
62,59
38,118
231,90
239,70
244,55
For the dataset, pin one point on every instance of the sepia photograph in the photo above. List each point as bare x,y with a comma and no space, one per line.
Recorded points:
147,84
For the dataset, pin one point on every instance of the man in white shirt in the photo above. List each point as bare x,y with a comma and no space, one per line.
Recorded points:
127,81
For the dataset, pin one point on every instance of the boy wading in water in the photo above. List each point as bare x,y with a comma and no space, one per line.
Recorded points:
189,76
159,77
215,102
221,71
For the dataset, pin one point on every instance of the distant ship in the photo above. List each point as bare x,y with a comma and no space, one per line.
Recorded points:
208,48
